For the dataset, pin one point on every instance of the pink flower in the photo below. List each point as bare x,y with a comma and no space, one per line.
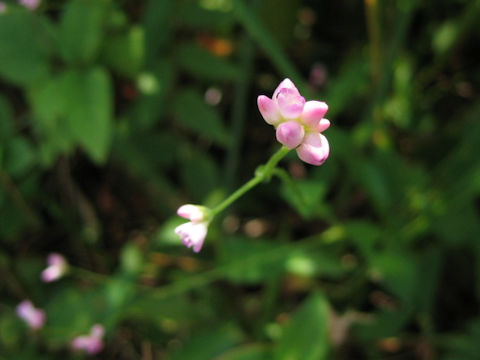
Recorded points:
193,233
3,7
298,122
35,318
92,343
30,4
57,267
314,149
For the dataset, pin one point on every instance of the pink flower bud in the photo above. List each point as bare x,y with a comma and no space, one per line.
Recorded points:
92,343
314,149
192,234
290,134
313,112
57,267
285,84
323,124
290,103
30,4
191,212
268,109
35,318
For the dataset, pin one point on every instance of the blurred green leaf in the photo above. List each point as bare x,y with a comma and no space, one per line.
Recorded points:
306,196
314,263
125,52
20,157
351,82
399,274
305,337
247,352
246,16
193,113
199,173
25,47
81,30
207,343
364,235
158,24
203,64
89,102
11,328
72,312
259,261
194,14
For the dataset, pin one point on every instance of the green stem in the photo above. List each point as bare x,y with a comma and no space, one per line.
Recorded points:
263,173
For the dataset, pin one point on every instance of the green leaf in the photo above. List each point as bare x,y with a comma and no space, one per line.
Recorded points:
399,274
199,173
205,65
194,114
306,196
125,52
199,15
250,261
207,343
89,103
72,312
20,157
24,48
81,30
247,352
306,335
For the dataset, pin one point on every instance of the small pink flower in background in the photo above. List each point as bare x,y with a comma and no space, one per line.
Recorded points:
57,267
193,233
93,343
3,7
30,4
35,318
298,122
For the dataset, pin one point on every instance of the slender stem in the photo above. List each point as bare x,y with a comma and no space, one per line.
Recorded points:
263,173
272,163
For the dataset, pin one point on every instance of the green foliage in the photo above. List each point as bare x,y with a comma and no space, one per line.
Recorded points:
81,33
114,113
24,61
306,335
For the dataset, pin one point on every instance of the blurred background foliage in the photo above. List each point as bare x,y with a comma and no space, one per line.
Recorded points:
114,113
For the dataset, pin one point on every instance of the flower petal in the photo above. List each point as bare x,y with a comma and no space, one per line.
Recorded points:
323,125
290,134
314,150
285,84
191,212
268,109
313,112
290,103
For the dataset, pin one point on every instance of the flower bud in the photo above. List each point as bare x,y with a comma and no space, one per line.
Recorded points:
57,267
35,318
192,234
290,134
314,150
313,112
268,109
193,213
92,343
